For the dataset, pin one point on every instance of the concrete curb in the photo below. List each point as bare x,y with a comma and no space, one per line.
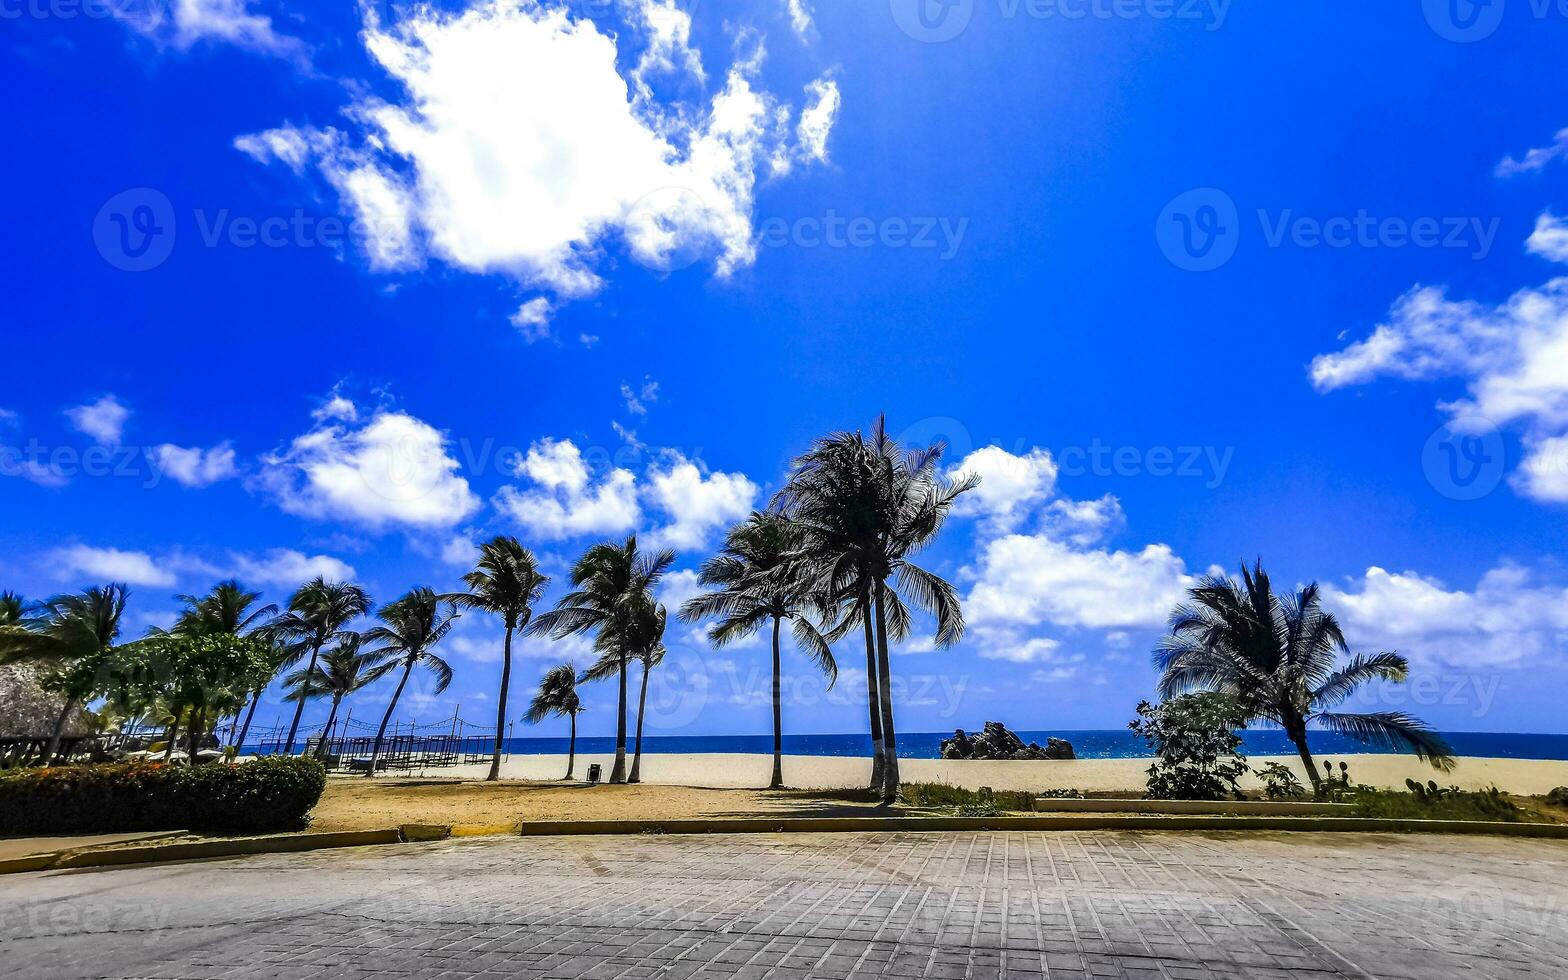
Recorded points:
834,825
223,847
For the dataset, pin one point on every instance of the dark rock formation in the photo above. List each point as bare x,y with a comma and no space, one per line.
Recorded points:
996,742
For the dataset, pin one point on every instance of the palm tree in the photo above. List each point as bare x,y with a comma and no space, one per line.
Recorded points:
227,609
317,613
640,637
1276,656
340,672
608,581
557,695
506,582
864,506
13,609
759,577
71,630
410,627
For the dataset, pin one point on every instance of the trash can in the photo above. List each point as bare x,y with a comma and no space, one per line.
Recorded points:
593,773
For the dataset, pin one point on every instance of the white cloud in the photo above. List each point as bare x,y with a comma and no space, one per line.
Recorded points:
1021,580
471,166
698,502
460,551
1543,475
1513,358
638,399
393,469
33,471
532,319
1084,522
285,568
104,420
800,17
1506,619
8,417
336,409
1550,238
1010,486
816,120
563,503
1537,158
186,23
113,565
1004,645
196,467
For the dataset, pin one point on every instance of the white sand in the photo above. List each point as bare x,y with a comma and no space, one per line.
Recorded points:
1523,776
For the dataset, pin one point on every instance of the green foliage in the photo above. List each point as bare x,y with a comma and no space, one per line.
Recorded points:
933,795
1194,741
1431,802
258,797
1280,782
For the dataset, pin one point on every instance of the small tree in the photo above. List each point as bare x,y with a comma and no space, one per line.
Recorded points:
1195,746
558,696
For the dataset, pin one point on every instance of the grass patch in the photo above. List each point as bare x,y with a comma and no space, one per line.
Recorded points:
1446,804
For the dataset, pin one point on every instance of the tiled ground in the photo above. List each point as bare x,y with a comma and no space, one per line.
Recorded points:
1025,905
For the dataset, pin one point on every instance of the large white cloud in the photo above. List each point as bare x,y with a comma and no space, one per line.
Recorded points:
1506,619
393,469
563,501
1011,487
697,502
515,144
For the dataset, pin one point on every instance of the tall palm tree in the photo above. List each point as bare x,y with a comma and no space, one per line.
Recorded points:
317,613
557,695
506,582
1276,656
759,577
410,627
70,630
608,581
340,672
638,636
228,609
864,507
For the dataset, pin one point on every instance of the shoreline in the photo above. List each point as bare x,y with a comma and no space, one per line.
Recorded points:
1525,777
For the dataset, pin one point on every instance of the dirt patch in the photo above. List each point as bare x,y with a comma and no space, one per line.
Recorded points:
363,804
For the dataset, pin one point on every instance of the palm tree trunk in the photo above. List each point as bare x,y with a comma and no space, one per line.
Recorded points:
885,680
60,731
618,771
299,709
381,733
571,748
174,735
197,725
239,743
500,709
777,782
873,701
1298,735
332,716
642,702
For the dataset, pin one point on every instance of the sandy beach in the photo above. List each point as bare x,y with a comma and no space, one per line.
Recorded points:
1526,777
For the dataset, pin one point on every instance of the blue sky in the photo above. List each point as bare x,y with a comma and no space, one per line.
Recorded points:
338,289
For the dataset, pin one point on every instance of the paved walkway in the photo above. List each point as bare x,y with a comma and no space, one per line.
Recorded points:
1024,905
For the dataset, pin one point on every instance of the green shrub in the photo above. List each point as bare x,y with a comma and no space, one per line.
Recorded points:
1435,803
1279,782
256,797
1195,745
945,795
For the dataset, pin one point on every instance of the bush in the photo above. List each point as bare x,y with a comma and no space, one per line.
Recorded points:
256,797
1194,742
1279,782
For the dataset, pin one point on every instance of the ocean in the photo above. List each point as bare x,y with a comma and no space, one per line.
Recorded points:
1103,744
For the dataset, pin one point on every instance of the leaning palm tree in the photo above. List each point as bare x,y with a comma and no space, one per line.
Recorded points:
557,695
1276,656
317,613
69,631
410,627
506,582
338,673
607,582
864,507
759,578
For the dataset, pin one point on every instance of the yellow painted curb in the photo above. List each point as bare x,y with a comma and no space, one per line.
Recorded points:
816,825
32,862
418,832
226,847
